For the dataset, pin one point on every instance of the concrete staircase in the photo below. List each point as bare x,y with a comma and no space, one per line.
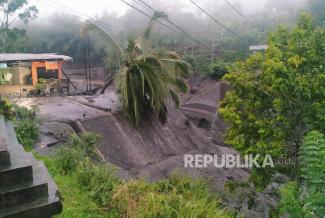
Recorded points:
26,188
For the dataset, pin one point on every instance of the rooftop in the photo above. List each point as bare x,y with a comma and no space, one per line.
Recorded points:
5,57
258,47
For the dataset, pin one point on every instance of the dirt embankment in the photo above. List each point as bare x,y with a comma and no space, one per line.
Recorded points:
154,151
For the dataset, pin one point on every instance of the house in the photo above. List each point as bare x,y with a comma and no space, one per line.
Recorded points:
256,48
20,72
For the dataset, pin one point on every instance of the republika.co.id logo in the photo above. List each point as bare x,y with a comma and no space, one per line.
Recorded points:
227,161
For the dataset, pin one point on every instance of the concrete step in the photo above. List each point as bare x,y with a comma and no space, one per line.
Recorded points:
11,198
26,188
4,154
41,208
28,191
16,174
19,172
4,158
13,145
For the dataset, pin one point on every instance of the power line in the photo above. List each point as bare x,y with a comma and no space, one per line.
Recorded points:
238,12
172,23
81,15
103,5
139,3
51,4
215,20
147,5
147,15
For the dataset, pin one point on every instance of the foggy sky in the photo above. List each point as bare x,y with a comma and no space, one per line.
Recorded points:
92,8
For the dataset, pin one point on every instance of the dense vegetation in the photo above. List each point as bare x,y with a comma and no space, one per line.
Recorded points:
272,103
276,99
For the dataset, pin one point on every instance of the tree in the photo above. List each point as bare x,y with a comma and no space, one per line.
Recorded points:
10,11
16,40
148,77
278,96
317,9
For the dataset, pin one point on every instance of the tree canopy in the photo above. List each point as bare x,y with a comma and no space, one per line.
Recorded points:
278,96
10,11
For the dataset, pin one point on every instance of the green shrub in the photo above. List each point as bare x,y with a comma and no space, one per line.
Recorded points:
27,126
41,85
6,109
290,203
67,159
27,133
218,70
75,151
86,142
200,65
24,113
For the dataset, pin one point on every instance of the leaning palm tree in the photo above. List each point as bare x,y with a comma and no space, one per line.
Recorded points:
148,78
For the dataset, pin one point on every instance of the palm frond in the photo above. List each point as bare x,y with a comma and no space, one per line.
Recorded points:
163,114
157,15
181,68
174,97
181,84
150,78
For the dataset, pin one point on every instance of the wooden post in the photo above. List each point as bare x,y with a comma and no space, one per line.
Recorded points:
34,73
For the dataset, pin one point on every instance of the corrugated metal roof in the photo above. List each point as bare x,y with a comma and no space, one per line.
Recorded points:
5,57
257,47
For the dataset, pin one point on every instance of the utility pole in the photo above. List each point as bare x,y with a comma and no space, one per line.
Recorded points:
212,54
85,61
19,80
89,67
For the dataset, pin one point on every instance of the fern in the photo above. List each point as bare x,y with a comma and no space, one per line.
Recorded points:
312,172
308,199
291,205
312,162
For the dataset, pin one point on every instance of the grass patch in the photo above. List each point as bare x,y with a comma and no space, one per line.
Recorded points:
91,189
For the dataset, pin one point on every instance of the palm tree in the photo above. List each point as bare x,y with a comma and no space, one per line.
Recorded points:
148,77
